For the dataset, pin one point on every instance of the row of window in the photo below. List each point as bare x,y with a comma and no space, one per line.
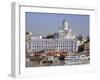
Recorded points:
53,43
54,46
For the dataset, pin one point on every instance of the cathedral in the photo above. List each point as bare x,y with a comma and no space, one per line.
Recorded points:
65,31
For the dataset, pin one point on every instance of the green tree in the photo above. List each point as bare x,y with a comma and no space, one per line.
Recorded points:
80,37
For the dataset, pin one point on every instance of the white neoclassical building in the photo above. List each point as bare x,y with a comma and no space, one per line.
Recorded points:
64,41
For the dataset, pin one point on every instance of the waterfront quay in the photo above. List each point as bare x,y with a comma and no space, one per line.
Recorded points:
56,59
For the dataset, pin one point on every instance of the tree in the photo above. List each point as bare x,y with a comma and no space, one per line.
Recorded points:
80,37
81,48
88,39
50,36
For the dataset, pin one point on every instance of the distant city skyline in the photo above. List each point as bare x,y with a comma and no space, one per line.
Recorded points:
48,23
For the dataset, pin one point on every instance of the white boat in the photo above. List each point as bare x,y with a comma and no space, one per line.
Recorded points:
72,57
50,58
83,57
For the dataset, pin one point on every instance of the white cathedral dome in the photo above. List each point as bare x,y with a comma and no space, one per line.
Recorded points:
65,25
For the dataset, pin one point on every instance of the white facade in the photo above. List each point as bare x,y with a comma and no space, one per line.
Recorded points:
52,45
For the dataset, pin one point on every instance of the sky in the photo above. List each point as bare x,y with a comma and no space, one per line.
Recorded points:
48,23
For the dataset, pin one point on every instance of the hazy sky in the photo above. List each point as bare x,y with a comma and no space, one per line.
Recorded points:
47,23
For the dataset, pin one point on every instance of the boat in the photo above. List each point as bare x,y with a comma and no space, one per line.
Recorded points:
48,60
72,57
84,57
